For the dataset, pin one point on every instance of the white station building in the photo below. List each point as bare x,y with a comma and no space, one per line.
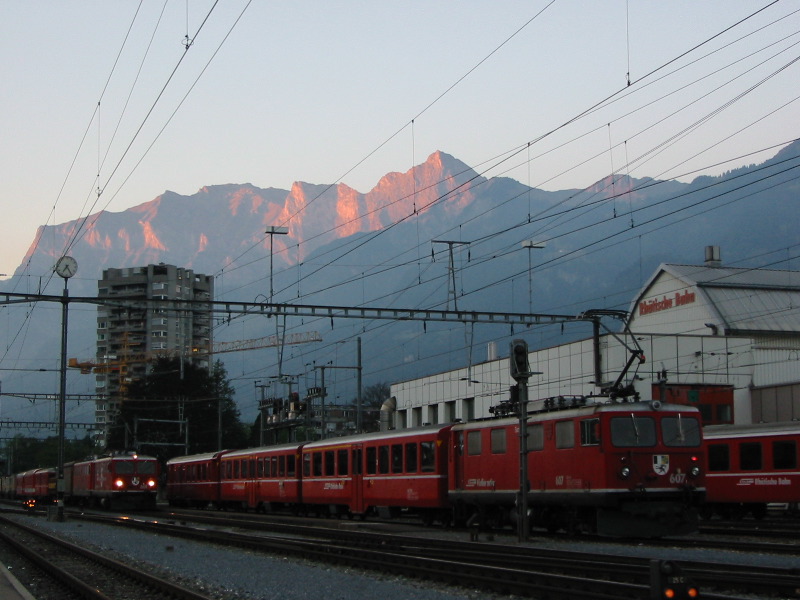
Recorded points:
726,340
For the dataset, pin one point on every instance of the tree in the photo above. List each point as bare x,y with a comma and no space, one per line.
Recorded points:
373,396
27,453
174,403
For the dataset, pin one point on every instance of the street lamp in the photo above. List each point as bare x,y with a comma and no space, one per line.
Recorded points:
531,245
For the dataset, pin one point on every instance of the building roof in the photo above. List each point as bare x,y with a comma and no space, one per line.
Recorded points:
748,301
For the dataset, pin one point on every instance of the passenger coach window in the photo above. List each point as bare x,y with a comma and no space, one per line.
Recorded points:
498,437
750,456
536,437
784,455
590,432
397,458
473,443
330,464
290,465
411,457
565,434
718,457
633,431
316,462
680,431
383,460
341,460
428,456
372,460
306,465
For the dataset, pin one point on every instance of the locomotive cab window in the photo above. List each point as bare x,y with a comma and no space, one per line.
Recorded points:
590,432
124,467
146,468
633,431
680,431
498,439
784,454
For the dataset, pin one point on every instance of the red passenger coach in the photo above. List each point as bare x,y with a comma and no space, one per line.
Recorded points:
265,479
128,479
385,472
751,466
194,480
615,469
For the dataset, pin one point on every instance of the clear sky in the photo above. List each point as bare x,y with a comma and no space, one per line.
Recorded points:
320,91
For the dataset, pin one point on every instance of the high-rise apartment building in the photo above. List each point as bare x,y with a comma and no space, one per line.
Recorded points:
132,333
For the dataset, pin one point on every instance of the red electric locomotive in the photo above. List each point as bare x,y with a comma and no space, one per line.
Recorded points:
614,468
36,485
751,466
129,479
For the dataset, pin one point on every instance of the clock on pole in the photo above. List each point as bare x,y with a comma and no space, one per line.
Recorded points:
66,267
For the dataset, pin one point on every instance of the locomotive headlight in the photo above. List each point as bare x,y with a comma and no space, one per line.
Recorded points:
625,472
119,483
694,471
151,483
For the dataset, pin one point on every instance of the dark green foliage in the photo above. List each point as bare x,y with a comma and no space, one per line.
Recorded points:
31,453
158,409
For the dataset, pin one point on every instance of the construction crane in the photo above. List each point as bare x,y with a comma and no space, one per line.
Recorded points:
269,341
88,366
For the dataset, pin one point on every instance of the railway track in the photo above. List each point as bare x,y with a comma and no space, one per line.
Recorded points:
498,568
70,571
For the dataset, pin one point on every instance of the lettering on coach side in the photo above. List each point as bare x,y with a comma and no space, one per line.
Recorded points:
653,305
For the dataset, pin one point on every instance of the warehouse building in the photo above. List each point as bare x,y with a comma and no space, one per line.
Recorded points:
724,339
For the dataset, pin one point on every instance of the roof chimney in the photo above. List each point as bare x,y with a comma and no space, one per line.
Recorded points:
713,256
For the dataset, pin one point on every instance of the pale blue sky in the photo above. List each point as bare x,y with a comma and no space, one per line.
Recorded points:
305,90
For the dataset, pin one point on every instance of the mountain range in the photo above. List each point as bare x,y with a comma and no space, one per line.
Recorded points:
391,247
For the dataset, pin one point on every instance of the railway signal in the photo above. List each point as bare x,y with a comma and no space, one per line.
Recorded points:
668,581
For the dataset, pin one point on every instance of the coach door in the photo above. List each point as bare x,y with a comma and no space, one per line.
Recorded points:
457,458
357,465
